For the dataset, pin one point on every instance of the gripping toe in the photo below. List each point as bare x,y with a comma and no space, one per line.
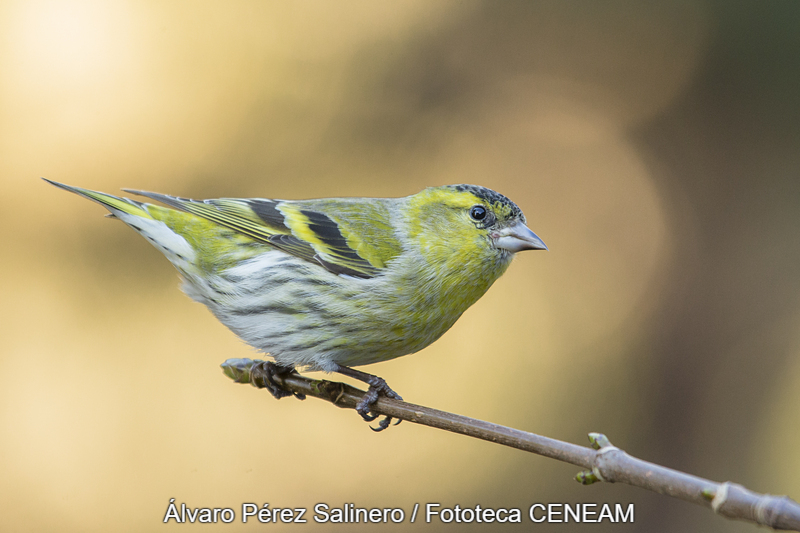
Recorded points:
262,375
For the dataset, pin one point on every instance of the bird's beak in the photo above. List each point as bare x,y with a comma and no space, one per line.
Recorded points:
518,237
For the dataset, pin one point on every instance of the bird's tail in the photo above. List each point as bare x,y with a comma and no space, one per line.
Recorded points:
171,232
114,204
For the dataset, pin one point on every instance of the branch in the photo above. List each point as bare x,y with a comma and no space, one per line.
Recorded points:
604,462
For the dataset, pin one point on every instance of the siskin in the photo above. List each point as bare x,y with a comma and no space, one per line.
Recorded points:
333,283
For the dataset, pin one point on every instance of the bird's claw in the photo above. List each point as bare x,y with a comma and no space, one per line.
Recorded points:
368,417
262,376
377,386
383,424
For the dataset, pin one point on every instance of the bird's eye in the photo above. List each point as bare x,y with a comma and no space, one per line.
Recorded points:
478,212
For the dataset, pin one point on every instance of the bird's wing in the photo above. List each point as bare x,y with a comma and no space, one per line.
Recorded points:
310,230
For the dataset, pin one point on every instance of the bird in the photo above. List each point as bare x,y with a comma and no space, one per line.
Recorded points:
333,283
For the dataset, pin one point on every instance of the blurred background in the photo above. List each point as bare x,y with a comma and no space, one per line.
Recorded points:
655,147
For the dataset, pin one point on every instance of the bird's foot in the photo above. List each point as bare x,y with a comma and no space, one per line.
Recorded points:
262,376
377,387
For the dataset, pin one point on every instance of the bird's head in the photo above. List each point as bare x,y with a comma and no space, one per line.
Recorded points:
469,221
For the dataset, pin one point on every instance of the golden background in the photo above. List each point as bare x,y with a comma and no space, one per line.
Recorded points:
654,148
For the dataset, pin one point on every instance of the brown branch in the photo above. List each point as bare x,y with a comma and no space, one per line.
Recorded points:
604,462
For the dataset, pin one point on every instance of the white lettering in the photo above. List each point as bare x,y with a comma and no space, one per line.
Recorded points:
623,517
172,512
532,513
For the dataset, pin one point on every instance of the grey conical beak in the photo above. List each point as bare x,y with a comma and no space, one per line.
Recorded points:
518,237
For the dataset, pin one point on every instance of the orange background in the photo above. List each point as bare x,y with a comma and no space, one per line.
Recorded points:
654,148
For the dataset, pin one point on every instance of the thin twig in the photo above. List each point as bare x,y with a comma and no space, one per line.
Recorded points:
604,462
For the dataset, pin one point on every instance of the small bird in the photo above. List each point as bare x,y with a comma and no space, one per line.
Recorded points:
332,283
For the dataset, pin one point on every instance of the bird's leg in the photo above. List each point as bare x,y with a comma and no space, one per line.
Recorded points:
377,386
262,375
